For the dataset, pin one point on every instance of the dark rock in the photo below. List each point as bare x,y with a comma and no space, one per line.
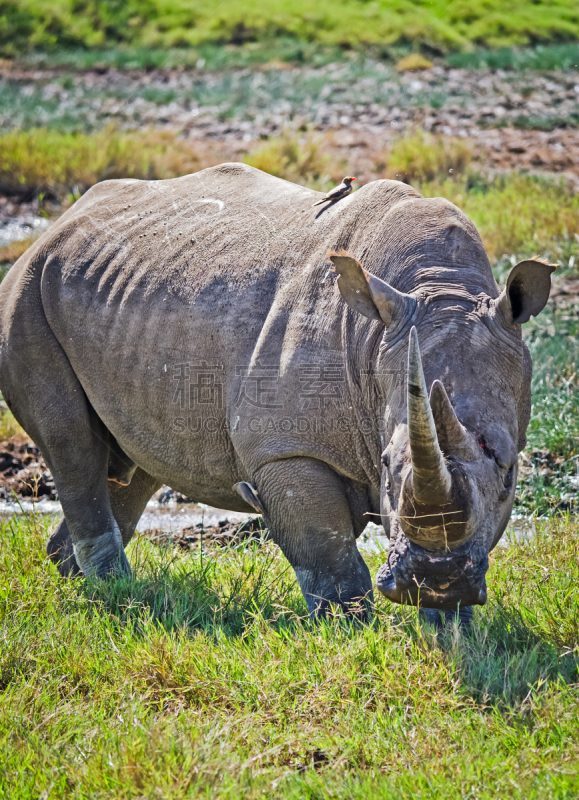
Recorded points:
167,495
224,534
23,472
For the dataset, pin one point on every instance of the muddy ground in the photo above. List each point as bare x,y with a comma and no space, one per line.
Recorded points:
224,534
23,472
517,120
24,475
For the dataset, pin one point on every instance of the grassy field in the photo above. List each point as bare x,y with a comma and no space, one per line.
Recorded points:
201,677
288,50
42,24
41,161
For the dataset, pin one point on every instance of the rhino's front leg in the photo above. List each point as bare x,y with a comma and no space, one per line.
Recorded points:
309,518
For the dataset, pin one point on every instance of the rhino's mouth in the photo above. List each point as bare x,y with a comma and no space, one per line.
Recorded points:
415,576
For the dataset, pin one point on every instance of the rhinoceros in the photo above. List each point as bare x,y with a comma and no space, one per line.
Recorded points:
219,334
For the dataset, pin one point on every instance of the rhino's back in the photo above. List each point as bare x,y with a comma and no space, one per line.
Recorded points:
232,222
211,265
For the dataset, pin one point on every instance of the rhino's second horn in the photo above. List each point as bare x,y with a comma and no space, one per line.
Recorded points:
453,438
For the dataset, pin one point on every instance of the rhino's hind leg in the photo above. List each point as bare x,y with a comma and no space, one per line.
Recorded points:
127,502
47,399
60,550
309,517
121,468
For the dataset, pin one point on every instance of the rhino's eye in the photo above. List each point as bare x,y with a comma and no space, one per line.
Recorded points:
485,448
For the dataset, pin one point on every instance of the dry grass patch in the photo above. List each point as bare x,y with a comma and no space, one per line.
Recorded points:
47,161
8,425
302,159
420,157
12,252
413,62
515,213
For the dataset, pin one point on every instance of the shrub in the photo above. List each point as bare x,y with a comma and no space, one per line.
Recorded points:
57,163
412,62
420,157
292,158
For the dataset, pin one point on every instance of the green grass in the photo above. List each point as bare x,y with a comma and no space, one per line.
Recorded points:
42,24
200,677
290,50
207,56
549,57
551,483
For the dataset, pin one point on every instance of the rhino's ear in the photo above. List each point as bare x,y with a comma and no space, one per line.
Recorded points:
367,294
527,290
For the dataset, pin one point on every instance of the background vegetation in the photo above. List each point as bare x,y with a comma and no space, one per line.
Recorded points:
286,49
43,161
45,24
514,213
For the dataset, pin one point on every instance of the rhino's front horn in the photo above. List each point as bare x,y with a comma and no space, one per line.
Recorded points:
431,480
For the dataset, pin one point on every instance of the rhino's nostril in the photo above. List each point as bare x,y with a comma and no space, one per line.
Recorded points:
385,580
508,479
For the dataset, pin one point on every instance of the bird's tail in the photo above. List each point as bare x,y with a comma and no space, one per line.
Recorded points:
319,203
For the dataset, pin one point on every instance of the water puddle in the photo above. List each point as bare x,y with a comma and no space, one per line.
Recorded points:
175,517
519,529
9,509
373,539
21,227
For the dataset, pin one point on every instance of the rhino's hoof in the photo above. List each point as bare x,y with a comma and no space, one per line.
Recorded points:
102,556
60,550
440,619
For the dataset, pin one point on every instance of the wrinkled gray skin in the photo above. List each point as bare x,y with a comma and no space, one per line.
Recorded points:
145,292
